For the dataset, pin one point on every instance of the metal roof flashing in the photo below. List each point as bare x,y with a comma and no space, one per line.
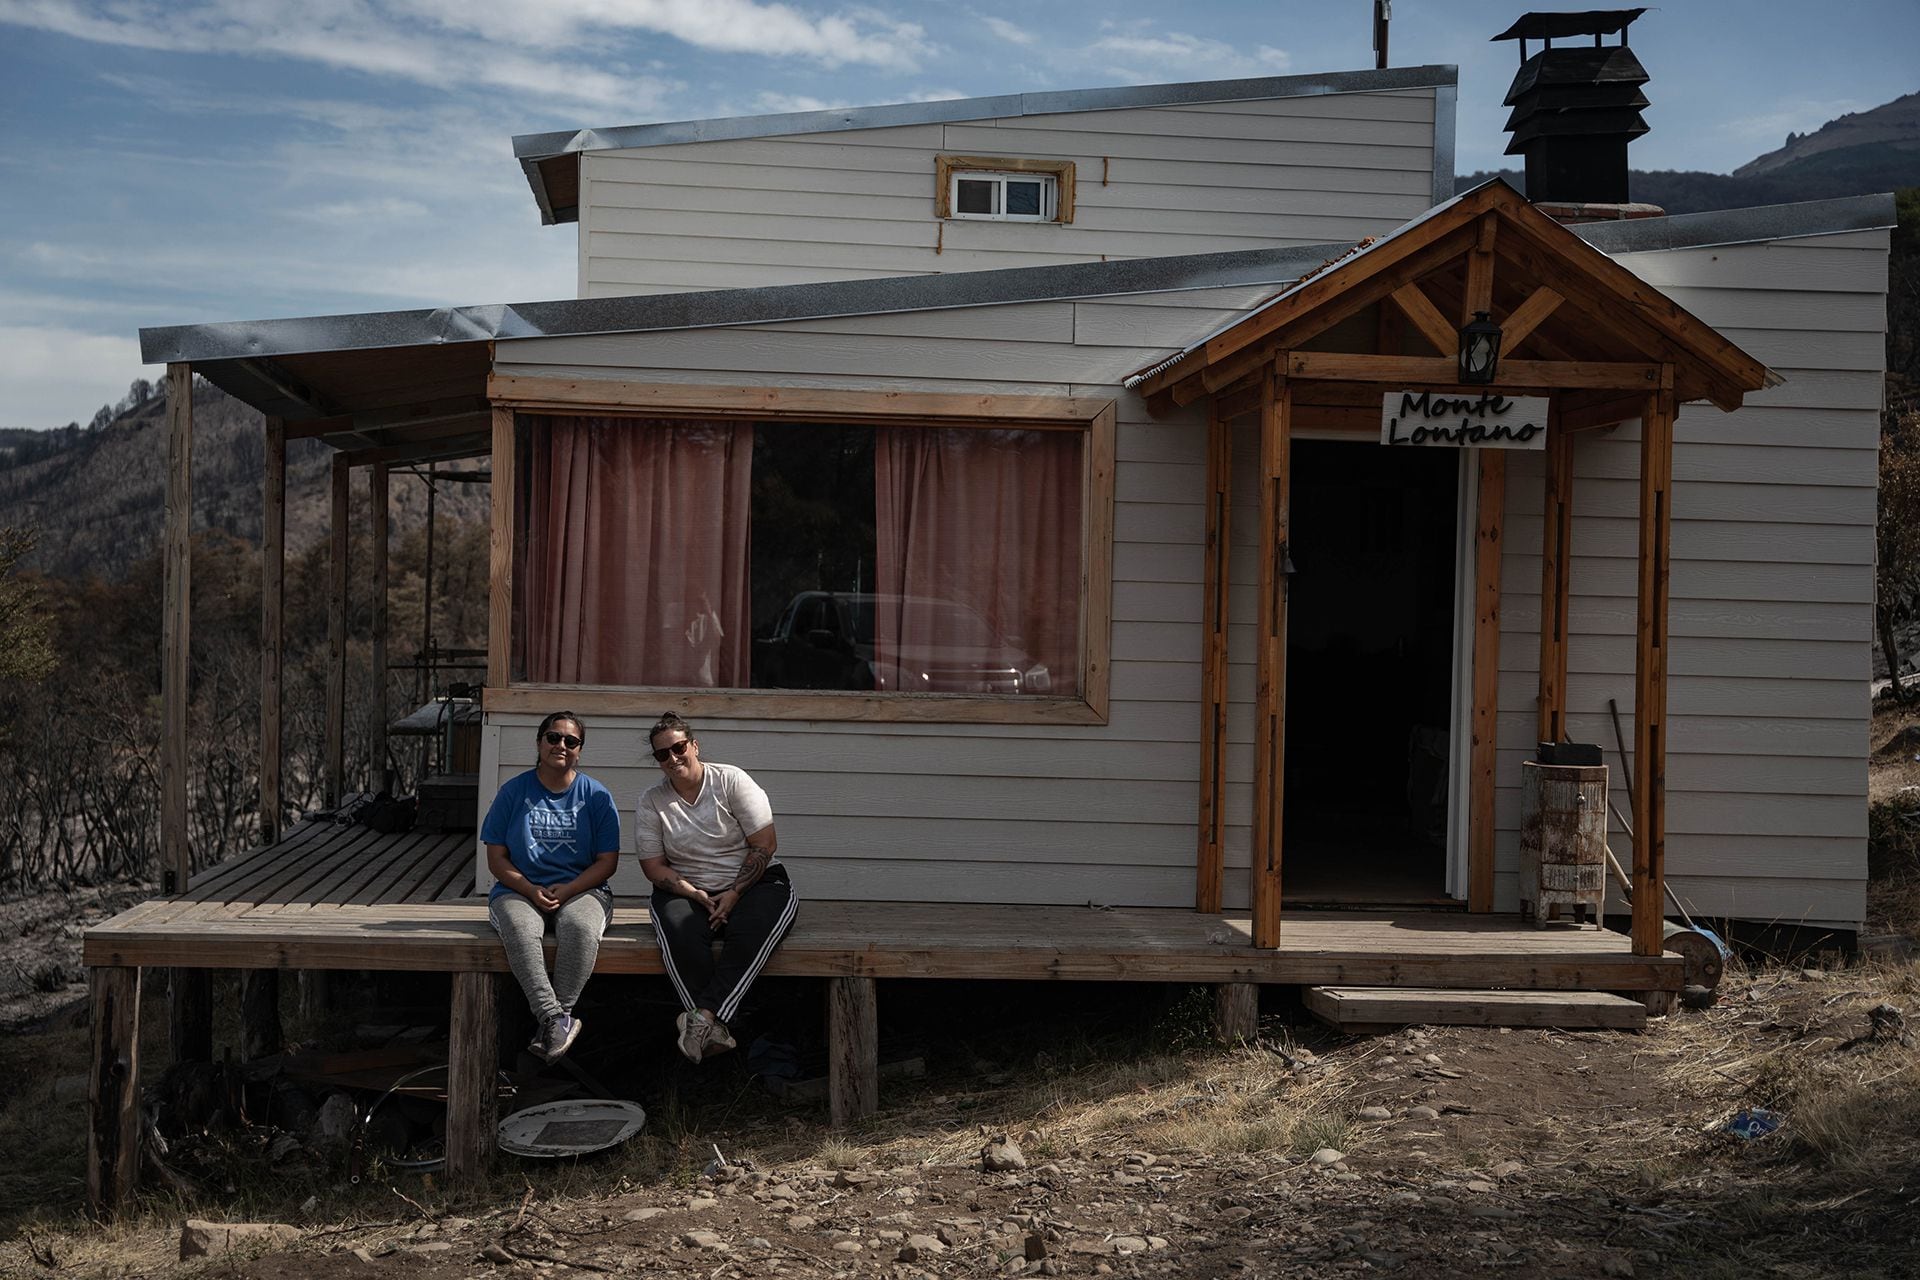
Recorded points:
531,149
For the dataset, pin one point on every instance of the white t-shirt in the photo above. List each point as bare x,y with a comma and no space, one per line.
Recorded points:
705,839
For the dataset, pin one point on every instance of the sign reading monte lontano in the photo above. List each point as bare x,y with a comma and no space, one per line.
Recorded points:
1487,420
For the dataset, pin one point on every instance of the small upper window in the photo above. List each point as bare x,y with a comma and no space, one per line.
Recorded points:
1018,197
1003,189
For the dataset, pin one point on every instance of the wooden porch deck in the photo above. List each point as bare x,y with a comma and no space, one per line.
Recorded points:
346,897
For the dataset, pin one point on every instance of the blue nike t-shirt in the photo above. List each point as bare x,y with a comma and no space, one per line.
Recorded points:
552,836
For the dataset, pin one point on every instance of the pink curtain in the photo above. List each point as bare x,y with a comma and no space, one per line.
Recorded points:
978,536
633,565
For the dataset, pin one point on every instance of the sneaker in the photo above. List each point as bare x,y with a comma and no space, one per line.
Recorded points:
719,1039
696,1029
558,1036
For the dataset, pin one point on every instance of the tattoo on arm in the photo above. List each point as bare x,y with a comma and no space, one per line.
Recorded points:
752,867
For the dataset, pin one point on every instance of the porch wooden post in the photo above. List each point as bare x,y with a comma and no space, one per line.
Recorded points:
1556,580
337,640
273,580
1650,676
1270,707
176,858
377,773
113,1089
1210,880
472,1059
500,553
261,1032
853,1050
1482,765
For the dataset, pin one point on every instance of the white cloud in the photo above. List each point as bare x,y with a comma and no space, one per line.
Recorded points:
52,376
1150,55
782,103
1008,31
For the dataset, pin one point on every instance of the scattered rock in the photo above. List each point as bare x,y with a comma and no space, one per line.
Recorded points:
1507,1169
1375,1113
919,1247
703,1239
782,1191
333,1124
1616,1264
1002,1154
497,1254
1480,1185
201,1239
702,1202
847,1246
1423,1113
431,1246
759,1242
1130,1244
1235,1213
1326,1156
1036,1247
645,1214
802,1222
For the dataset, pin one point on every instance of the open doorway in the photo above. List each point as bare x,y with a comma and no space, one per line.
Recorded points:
1370,635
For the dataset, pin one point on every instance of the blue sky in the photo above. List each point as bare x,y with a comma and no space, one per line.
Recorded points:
174,161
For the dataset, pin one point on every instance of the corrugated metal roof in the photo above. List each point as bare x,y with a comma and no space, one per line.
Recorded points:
256,339
532,149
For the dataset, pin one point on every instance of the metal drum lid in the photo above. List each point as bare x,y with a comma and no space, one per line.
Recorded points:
571,1128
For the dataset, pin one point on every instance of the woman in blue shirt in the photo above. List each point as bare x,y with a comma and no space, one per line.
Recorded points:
553,838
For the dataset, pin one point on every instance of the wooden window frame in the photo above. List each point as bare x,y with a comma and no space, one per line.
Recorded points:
1093,417
946,168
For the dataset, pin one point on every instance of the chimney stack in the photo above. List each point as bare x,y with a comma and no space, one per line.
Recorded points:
1575,109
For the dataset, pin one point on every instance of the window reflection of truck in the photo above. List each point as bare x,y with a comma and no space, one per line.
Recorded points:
825,640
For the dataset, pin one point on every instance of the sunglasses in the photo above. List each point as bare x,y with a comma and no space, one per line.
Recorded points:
677,751
567,740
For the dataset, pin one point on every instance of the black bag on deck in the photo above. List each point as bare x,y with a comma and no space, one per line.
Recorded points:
390,816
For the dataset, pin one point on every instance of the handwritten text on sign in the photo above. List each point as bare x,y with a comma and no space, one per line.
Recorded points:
1485,421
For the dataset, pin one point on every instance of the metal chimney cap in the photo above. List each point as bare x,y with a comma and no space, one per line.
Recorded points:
1549,26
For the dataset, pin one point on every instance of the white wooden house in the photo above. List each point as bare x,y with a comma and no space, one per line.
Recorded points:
1297,664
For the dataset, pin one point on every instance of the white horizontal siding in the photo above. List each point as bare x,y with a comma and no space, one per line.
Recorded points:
1772,590
1149,182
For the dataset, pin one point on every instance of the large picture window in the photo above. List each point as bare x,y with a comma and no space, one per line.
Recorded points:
916,561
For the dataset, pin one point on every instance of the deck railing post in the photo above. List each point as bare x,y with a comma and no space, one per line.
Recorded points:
379,777
273,578
1483,761
1650,677
1270,704
337,639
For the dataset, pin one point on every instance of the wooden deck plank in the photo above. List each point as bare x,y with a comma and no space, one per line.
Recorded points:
920,940
1376,1009
453,859
307,881
334,885
316,841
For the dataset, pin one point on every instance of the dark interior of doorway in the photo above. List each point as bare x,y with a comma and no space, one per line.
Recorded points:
1369,674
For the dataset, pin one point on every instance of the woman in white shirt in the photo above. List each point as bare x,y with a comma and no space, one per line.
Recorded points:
705,838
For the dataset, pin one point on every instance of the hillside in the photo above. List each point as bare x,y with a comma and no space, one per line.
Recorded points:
97,496
1838,145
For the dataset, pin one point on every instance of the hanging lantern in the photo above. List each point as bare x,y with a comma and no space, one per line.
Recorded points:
1479,349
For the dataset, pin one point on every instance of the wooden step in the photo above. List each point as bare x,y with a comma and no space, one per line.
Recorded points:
1364,1010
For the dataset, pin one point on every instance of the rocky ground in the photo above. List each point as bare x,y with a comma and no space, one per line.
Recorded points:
1429,1152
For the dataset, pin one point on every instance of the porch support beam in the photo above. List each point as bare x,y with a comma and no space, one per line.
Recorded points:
853,1050
1483,755
377,488
176,858
1479,292
1528,316
1417,307
1211,861
1270,718
113,1089
1444,371
273,581
1556,580
1650,676
473,1053
336,734
500,556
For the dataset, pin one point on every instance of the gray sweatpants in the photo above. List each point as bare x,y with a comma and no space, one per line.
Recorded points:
577,927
